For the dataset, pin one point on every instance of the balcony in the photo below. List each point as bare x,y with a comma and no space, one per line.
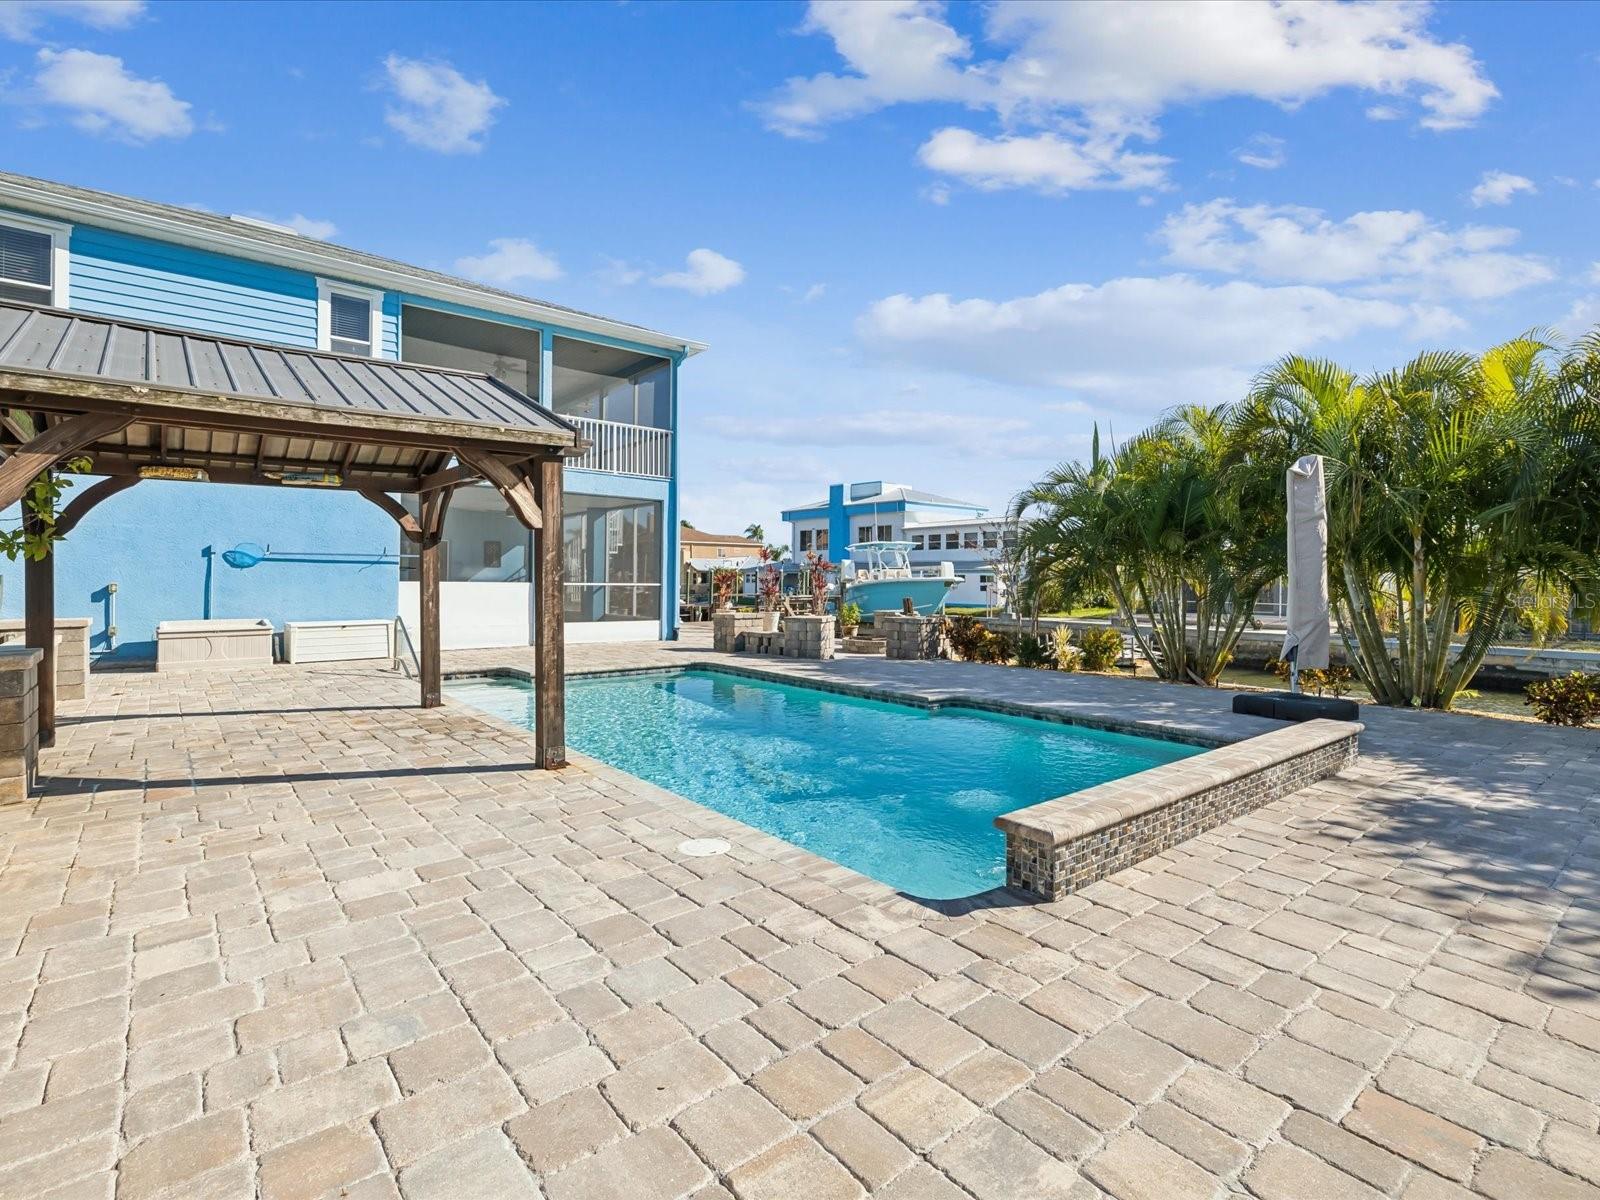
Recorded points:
623,449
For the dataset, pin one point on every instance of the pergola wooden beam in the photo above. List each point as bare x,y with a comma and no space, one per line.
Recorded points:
39,454
513,487
79,506
401,514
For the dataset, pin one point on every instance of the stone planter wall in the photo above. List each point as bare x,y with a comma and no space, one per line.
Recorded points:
72,653
911,637
728,629
808,637
19,720
1057,847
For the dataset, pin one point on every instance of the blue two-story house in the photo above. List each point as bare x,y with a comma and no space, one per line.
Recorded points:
151,554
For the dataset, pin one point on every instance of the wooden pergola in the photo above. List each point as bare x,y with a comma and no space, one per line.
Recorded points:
143,401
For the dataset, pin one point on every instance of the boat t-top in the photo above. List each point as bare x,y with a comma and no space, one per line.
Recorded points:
878,576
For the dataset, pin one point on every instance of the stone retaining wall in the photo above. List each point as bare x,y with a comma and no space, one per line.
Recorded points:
1061,845
911,636
72,653
19,720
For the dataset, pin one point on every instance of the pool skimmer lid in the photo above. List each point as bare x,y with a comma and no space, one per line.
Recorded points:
703,847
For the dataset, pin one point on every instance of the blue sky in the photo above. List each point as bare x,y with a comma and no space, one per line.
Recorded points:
927,243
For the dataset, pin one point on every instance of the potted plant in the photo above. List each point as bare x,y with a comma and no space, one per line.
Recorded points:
723,582
819,567
769,590
849,618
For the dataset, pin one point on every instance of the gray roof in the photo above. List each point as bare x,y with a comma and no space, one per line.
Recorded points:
25,191
888,496
71,345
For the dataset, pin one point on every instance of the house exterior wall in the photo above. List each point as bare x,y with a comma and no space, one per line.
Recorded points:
161,543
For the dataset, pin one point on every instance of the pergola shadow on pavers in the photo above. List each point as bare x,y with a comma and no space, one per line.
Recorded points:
150,402
256,955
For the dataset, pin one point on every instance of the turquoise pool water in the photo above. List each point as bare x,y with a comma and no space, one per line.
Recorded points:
903,794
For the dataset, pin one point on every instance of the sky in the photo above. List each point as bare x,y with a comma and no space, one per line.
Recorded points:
933,244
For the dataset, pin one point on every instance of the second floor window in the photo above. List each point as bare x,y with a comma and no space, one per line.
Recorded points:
348,320
886,533
31,269
805,540
916,541
863,533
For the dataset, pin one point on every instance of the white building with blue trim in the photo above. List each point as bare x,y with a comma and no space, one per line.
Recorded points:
150,554
938,528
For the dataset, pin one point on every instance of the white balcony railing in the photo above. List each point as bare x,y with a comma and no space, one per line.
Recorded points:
624,449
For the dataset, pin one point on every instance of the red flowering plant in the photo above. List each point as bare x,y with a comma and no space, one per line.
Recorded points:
769,582
819,568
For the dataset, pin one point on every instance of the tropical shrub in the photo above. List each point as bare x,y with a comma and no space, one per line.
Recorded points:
850,614
1567,699
998,647
1034,651
1067,656
1100,648
967,635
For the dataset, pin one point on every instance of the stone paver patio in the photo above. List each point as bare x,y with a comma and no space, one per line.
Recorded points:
285,936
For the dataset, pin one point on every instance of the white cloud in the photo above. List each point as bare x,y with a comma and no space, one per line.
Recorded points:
102,97
979,433
1141,340
706,273
509,261
437,107
619,273
1046,162
20,20
1582,318
1262,151
816,291
311,227
1087,77
1594,272
1389,253
1498,187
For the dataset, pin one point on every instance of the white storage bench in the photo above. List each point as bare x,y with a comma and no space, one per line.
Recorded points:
212,645
337,641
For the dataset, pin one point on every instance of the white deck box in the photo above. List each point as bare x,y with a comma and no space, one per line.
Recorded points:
213,645
337,641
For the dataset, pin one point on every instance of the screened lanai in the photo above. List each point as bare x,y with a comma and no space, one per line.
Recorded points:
150,402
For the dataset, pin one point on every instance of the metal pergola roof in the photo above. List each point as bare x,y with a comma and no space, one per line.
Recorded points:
252,411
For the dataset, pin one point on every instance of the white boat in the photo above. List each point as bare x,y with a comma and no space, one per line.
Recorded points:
879,576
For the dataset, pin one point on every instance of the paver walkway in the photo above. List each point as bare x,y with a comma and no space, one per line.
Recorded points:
285,936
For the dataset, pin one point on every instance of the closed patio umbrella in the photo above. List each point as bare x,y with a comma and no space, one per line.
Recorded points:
1306,642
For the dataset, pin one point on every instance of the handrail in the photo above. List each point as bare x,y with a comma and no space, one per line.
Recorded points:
404,634
623,449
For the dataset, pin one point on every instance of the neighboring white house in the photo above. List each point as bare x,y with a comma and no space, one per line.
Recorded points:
939,528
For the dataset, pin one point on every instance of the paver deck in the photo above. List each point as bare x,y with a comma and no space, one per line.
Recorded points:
283,935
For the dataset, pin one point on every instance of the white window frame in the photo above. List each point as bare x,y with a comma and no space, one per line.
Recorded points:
60,256
326,290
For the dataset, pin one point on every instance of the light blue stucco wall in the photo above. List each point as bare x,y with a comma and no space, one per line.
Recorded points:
152,541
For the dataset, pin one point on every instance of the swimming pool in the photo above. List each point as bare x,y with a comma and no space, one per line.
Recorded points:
904,794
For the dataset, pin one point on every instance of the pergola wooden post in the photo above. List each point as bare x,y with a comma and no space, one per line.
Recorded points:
39,626
143,401
549,646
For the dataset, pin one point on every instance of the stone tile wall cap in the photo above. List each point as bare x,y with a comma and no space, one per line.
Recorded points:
1066,818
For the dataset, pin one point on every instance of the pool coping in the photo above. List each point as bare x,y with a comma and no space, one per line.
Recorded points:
1059,845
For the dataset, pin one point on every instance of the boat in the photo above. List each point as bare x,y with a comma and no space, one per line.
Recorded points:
879,577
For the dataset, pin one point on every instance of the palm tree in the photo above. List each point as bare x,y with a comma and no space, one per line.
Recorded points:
1457,485
755,533
1181,514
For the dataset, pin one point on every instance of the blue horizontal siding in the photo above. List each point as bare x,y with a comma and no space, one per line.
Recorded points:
140,279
